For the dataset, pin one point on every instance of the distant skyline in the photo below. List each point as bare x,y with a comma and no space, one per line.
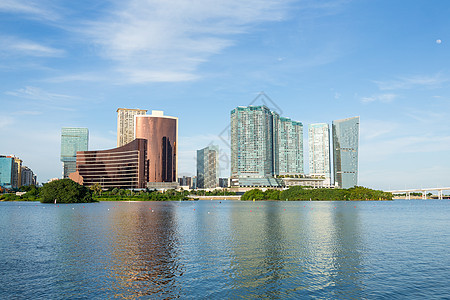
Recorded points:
73,64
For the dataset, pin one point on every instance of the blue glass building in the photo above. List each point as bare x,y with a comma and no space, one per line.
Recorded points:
6,171
208,167
72,140
345,152
263,145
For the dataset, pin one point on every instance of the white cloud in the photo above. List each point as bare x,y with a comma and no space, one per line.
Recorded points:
379,150
372,129
167,40
35,9
412,82
15,46
35,93
5,122
384,98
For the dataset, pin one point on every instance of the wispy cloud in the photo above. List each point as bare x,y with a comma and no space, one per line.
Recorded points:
168,40
384,98
15,46
35,93
379,150
413,82
372,129
35,9
5,121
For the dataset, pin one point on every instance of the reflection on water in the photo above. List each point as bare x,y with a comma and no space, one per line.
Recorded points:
225,249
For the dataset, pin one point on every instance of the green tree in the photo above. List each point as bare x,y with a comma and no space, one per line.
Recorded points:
65,191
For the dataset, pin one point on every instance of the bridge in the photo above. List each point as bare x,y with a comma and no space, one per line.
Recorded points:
423,191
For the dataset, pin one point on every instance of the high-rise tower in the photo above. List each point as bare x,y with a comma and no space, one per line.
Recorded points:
263,145
319,150
125,124
289,146
345,152
72,140
161,132
208,167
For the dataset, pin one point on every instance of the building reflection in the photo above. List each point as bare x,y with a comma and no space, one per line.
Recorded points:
145,255
293,250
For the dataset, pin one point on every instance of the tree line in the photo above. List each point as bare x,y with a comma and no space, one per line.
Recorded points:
304,193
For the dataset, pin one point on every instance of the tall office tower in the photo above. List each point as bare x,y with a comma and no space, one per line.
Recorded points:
72,140
208,167
252,142
28,177
319,150
6,171
125,124
16,172
345,152
161,132
288,146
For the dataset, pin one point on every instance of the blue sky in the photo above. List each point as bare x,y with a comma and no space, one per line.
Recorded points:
73,63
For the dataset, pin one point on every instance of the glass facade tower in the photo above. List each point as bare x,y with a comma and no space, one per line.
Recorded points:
72,140
319,150
263,144
208,167
6,171
345,152
289,145
252,142
161,132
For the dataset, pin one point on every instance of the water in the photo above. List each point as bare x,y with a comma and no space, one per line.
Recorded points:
232,249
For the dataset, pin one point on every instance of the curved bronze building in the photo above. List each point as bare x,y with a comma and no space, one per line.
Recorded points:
161,133
122,167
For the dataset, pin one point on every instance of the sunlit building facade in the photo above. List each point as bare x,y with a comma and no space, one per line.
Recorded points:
161,132
16,172
125,124
6,171
288,146
122,167
345,152
263,145
208,167
72,140
319,150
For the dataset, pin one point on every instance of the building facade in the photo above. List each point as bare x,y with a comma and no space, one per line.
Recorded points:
6,171
263,145
122,167
319,151
289,145
161,132
208,167
185,181
16,172
345,152
28,177
72,140
125,124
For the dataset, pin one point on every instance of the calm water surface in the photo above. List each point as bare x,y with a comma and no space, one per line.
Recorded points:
227,249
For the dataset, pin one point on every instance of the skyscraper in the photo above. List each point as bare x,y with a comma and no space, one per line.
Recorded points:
125,124
72,140
345,151
17,172
161,132
319,150
289,145
208,167
6,171
263,144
